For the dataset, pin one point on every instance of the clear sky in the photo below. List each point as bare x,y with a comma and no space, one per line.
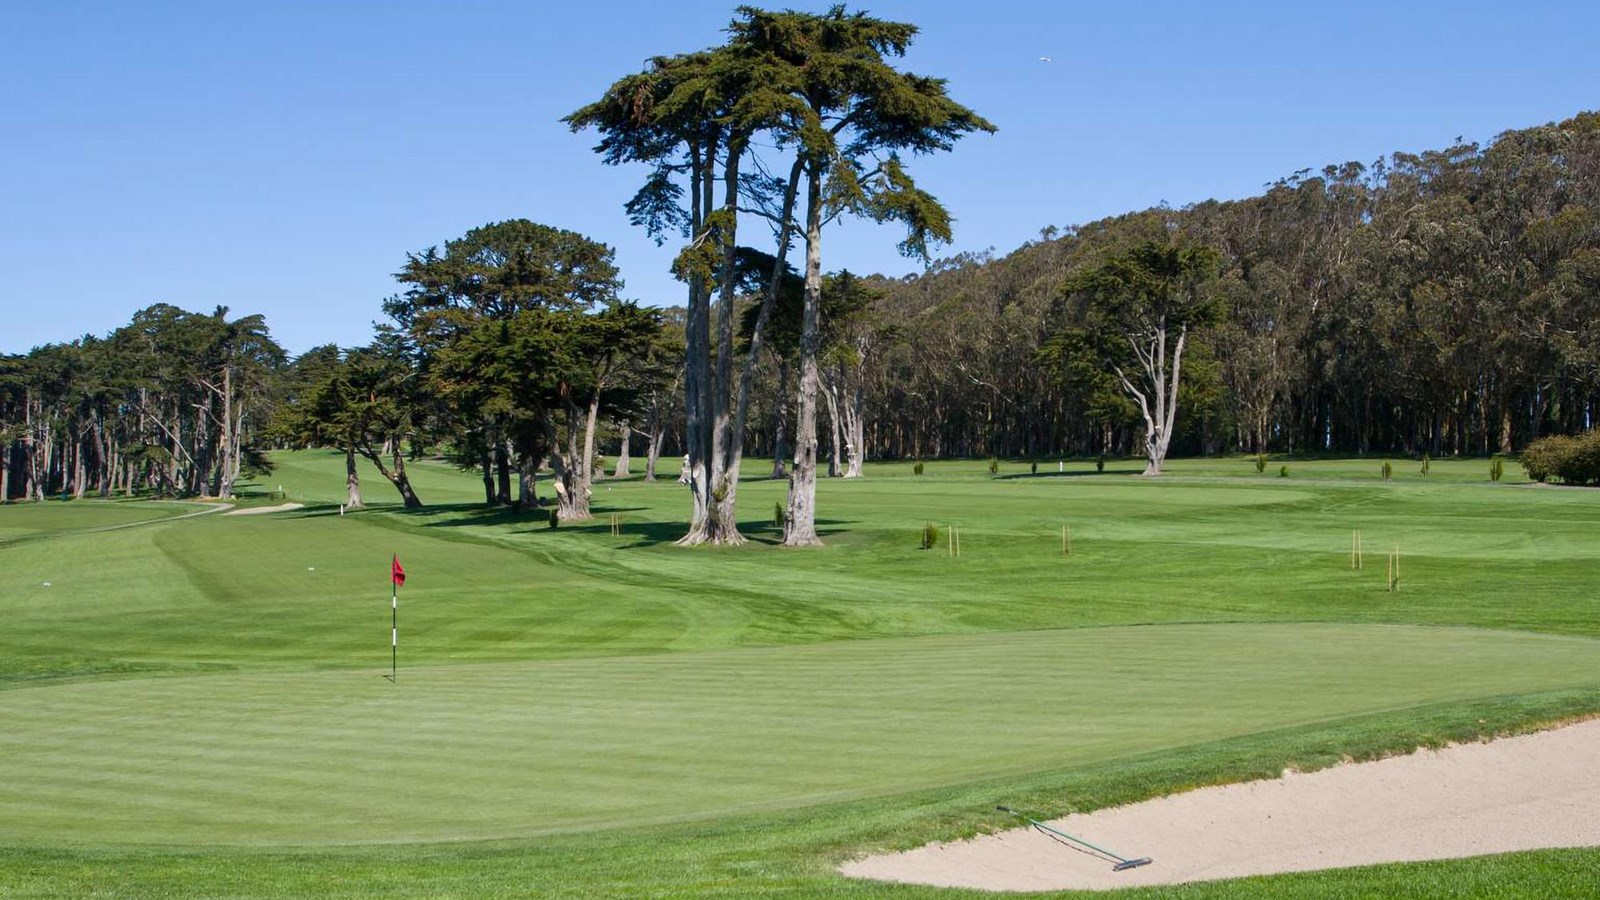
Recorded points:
282,157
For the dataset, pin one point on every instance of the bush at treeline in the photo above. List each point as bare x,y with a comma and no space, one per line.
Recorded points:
1573,459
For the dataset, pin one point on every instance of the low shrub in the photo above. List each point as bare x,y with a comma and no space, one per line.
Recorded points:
916,467
555,518
1574,460
1261,463
1388,470
930,536
1100,463
779,515
1426,462
1283,471
1497,468
994,466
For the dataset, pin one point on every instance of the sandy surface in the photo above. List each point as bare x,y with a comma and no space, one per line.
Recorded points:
258,510
1519,793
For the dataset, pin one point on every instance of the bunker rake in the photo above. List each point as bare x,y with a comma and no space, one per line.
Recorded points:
1120,863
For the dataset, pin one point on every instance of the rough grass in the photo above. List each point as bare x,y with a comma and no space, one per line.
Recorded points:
654,721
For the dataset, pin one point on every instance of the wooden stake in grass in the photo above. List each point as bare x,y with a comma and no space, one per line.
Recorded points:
616,524
958,540
1356,562
950,542
1066,540
1394,569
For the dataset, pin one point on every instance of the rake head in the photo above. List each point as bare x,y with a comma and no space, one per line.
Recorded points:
1132,864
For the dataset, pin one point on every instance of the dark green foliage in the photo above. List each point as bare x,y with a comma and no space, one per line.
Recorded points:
1574,460
1122,324
1100,463
555,518
1388,470
916,467
1497,468
1261,463
930,536
1426,464
994,466
1033,468
1283,471
779,516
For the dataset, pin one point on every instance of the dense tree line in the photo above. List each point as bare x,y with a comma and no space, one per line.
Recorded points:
1442,302
170,404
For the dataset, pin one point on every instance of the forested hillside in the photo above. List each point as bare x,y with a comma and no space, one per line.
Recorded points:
1445,302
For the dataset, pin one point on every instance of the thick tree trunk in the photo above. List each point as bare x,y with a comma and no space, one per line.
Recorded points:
396,476
401,481
352,480
800,523
697,387
590,422
654,453
713,479
571,475
832,397
622,469
780,415
527,482
486,463
727,440
502,475
855,431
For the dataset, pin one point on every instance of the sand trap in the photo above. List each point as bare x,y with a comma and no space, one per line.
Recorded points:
1518,793
258,510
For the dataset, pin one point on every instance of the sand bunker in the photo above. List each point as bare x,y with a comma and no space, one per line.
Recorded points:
258,510
1519,793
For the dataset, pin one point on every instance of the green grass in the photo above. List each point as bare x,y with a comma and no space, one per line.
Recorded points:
195,707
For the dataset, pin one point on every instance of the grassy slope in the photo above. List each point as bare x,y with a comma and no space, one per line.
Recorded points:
1214,543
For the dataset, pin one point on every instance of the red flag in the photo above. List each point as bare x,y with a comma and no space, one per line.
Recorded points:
397,574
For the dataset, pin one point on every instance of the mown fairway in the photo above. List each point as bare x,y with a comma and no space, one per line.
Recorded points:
194,703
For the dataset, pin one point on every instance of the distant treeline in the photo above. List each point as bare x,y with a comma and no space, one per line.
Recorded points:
1445,302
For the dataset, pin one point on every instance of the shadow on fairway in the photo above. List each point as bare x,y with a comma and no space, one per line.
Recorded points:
1027,475
654,534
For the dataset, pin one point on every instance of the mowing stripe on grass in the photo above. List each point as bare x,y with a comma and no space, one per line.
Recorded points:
494,750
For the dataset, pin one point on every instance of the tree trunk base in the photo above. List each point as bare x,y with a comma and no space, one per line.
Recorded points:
700,537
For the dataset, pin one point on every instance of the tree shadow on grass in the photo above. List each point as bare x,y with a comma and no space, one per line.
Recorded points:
535,519
1035,475
654,534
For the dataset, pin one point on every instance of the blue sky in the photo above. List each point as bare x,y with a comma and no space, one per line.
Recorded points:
282,158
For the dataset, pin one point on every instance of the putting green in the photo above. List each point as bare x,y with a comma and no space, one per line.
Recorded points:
497,750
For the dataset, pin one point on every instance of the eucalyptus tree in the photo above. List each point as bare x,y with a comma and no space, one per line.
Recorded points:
849,117
1135,311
